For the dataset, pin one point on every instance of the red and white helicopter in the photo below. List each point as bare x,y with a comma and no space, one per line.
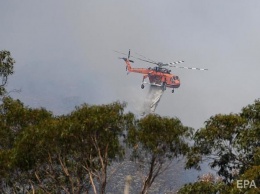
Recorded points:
158,75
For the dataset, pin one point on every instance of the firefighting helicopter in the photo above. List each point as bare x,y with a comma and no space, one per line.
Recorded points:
158,75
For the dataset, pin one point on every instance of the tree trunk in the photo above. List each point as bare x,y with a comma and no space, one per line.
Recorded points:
147,182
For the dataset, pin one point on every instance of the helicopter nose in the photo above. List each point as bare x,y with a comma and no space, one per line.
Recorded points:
177,83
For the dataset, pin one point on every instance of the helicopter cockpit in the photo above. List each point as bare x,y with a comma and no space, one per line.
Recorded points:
175,78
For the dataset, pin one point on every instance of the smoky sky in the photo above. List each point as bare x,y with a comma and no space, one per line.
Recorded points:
64,53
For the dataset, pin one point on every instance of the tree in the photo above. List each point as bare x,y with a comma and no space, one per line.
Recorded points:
156,141
6,69
45,153
14,119
69,153
98,130
207,184
249,182
229,142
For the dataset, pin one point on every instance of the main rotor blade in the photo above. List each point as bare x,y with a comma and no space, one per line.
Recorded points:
147,61
120,52
193,68
176,62
135,57
145,57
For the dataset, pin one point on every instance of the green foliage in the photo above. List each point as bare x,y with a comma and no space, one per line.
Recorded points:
97,131
210,184
202,187
14,117
6,69
160,135
252,174
104,122
60,153
229,142
156,141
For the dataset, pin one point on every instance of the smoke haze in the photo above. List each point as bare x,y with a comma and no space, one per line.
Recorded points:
64,57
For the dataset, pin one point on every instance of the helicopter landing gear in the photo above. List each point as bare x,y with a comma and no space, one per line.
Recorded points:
142,86
172,90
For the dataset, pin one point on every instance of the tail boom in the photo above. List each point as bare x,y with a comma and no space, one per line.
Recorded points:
135,70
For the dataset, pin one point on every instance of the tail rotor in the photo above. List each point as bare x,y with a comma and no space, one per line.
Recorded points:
128,56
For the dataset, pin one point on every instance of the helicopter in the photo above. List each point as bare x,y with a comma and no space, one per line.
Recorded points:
159,75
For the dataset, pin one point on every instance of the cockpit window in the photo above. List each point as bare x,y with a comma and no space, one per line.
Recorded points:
175,78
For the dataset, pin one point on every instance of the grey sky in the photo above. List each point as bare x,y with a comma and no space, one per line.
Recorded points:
64,52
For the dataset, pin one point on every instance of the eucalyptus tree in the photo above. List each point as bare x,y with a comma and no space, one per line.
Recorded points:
6,69
229,143
156,141
97,131
70,153
15,118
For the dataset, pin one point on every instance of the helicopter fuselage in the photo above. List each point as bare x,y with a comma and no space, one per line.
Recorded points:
158,76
